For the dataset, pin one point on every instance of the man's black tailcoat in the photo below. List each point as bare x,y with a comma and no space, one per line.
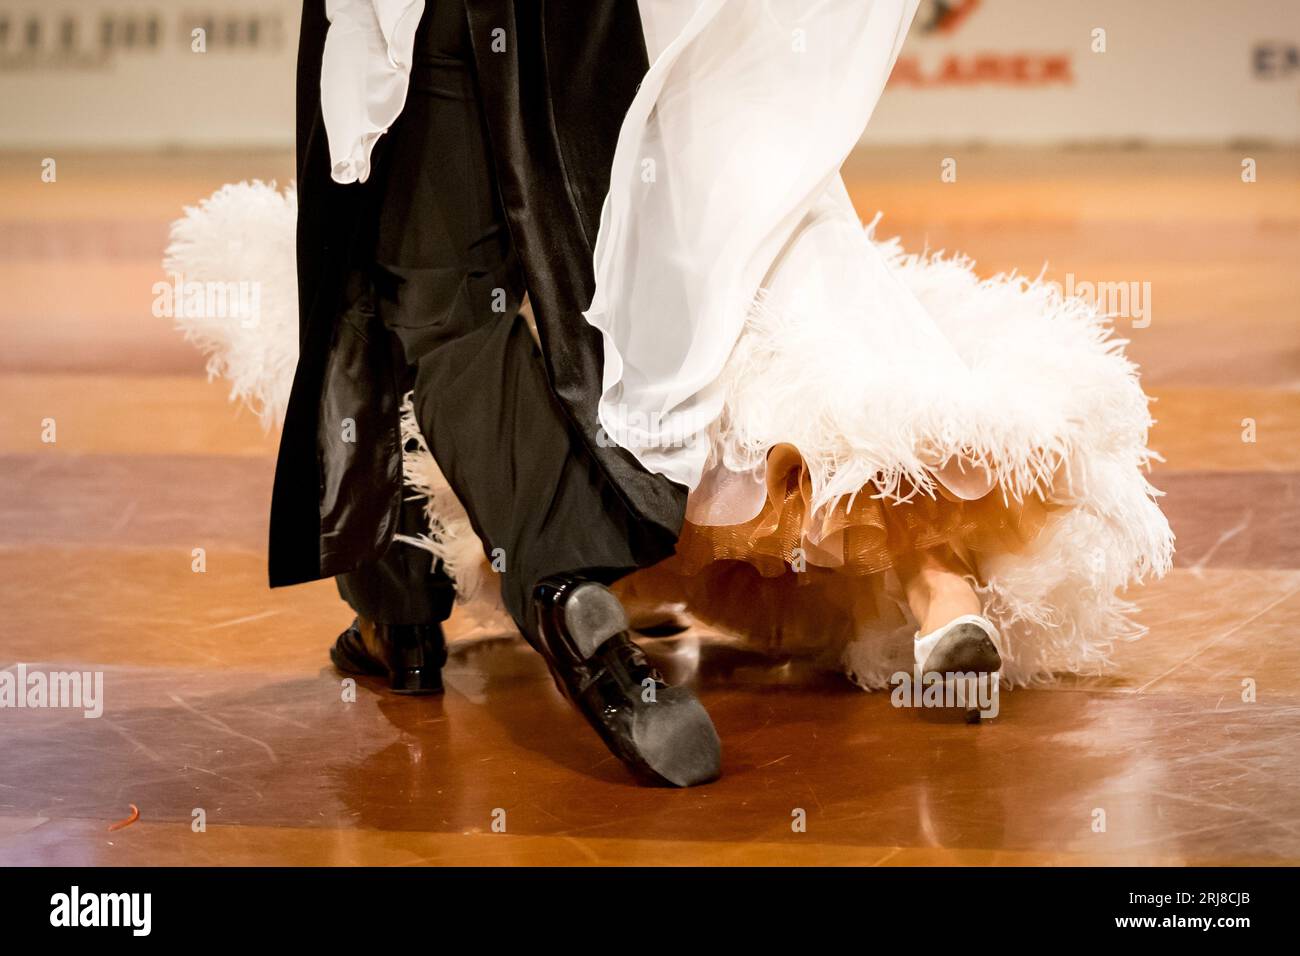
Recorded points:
554,100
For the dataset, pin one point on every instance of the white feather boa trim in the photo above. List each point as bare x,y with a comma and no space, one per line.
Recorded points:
242,233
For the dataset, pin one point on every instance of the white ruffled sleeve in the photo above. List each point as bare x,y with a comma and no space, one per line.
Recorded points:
365,74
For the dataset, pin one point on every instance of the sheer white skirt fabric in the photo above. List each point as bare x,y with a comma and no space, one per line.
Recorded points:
738,128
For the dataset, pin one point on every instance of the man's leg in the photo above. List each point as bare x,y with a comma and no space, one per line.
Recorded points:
404,587
433,236
449,286
537,500
400,601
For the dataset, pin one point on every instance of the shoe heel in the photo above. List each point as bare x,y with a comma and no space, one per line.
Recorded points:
416,680
592,615
415,660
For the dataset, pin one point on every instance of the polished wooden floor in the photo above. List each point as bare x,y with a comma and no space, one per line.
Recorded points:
218,693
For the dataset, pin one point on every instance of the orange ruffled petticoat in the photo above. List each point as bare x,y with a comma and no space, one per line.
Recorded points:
784,581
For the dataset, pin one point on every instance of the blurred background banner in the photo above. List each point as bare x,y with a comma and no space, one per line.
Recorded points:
137,74
1058,71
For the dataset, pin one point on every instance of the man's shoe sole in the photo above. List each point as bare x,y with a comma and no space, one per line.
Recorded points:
674,737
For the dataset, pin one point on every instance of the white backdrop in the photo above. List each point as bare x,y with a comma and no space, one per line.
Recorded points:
121,73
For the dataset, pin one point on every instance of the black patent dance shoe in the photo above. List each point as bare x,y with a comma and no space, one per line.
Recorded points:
410,656
662,734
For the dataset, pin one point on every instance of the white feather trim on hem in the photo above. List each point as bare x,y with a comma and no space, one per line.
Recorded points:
241,239
1043,396
451,538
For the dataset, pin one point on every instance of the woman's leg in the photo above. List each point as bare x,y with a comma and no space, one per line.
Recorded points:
936,588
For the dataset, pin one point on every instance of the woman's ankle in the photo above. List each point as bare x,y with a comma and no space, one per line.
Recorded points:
949,601
938,596
938,591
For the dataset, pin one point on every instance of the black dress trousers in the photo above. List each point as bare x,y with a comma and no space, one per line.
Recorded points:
447,283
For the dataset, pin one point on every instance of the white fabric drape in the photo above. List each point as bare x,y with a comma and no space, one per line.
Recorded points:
365,75
739,127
